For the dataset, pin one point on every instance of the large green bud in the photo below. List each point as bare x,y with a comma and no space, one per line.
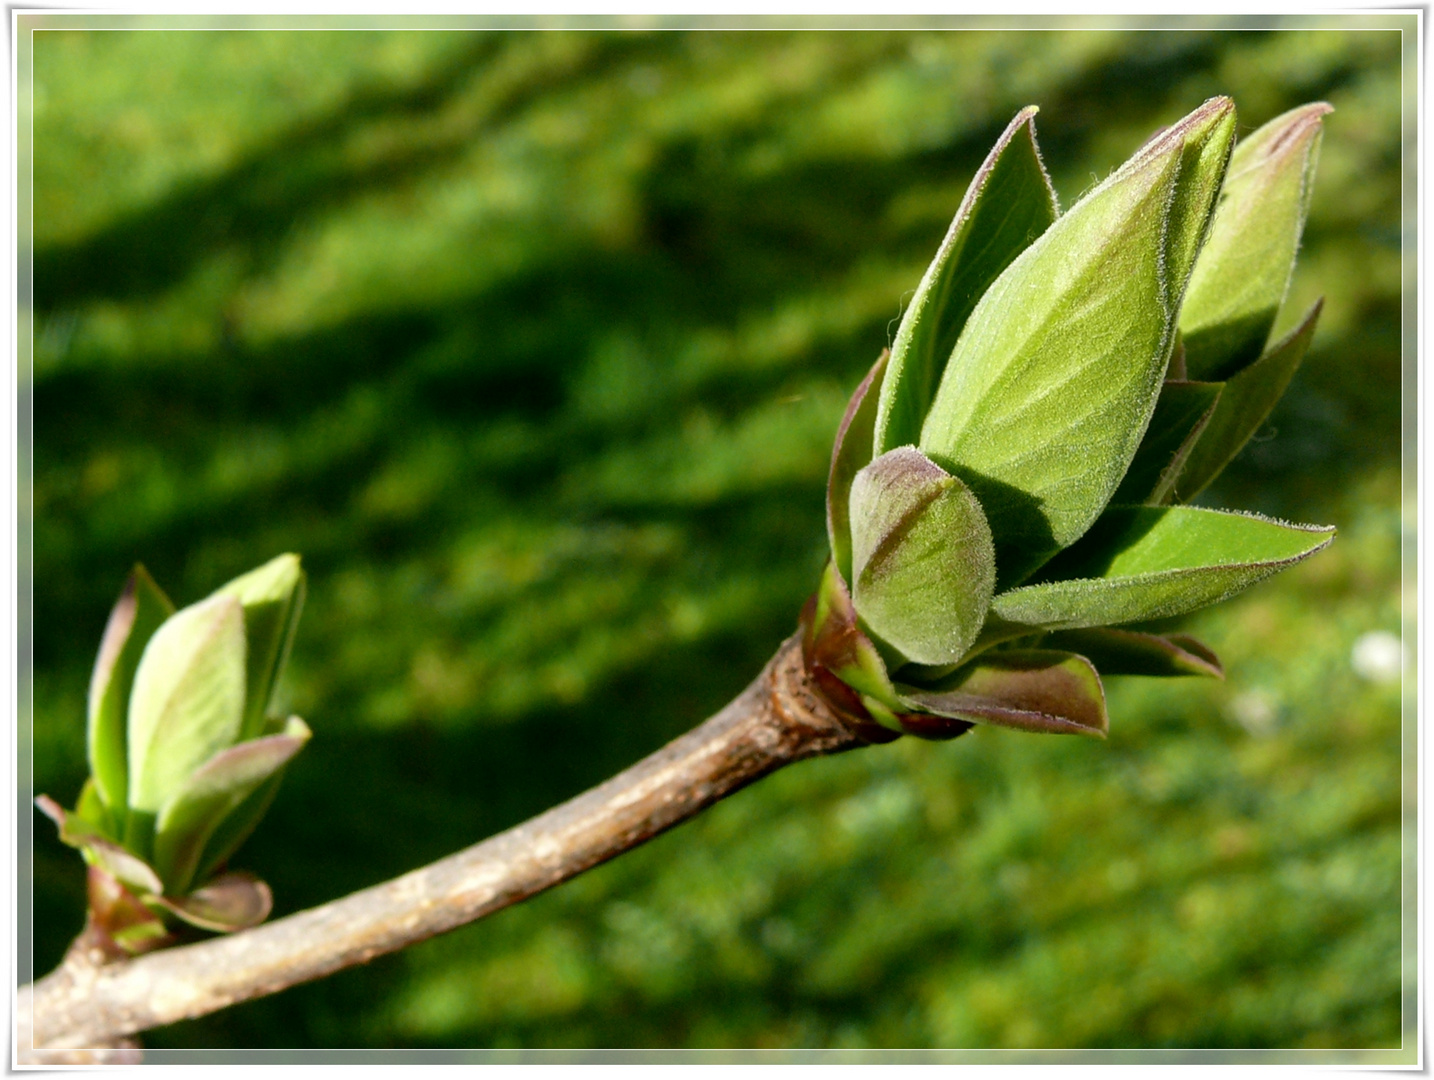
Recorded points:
184,754
1004,486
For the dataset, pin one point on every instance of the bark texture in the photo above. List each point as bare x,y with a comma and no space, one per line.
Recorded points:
89,1002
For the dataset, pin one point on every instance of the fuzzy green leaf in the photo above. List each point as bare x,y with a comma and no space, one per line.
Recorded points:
188,700
273,596
141,609
1208,135
1041,690
233,901
1181,413
922,561
1247,399
210,794
1054,379
1140,563
1243,272
850,454
1008,204
1128,652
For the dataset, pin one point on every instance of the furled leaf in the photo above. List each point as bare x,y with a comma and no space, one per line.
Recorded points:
850,454
1140,563
1208,135
1008,204
1031,689
273,596
1181,413
210,793
187,703
1246,400
1128,652
232,901
141,609
1053,381
1243,272
923,566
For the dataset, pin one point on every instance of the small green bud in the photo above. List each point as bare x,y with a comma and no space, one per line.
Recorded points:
183,760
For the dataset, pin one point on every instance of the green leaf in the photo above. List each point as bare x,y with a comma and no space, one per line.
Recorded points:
232,901
1039,690
141,609
1141,563
91,809
1243,272
237,827
188,700
211,793
1128,652
1008,204
1054,379
1208,135
850,454
1247,400
1181,413
922,561
273,596
99,850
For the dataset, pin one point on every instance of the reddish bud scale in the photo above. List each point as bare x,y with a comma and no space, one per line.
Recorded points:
832,647
122,923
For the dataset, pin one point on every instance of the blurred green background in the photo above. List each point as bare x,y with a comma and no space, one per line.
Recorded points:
533,345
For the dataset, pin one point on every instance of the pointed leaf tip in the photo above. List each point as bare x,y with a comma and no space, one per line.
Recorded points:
1142,563
1242,275
1009,203
272,596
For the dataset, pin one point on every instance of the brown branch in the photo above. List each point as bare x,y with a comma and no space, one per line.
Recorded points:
87,1002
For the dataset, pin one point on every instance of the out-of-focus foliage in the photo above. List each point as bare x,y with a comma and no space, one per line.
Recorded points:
534,346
